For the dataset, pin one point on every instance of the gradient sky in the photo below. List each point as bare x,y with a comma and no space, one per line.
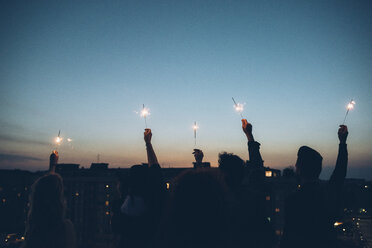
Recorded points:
85,67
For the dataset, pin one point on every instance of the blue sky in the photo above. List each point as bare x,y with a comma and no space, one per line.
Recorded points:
85,67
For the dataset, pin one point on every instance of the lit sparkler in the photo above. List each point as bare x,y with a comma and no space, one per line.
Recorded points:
195,127
59,138
349,107
238,107
144,113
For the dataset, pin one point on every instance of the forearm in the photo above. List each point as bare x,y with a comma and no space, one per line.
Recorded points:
339,172
151,156
254,153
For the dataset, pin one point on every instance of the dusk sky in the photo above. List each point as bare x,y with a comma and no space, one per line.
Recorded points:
85,67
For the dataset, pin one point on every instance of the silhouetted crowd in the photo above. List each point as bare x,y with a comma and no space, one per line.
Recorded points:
202,207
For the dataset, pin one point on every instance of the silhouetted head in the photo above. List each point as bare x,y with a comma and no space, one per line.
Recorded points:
137,180
197,213
46,215
308,164
232,166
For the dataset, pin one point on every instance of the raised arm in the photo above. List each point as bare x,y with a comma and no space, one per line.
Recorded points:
53,161
339,172
253,146
151,156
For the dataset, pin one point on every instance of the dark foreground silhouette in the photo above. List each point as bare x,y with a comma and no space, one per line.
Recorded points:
204,207
312,210
46,225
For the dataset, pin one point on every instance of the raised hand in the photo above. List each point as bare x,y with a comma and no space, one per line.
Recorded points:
53,161
147,135
247,129
199,155
342,134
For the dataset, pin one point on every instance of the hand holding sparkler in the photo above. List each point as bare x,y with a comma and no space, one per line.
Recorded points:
53,161
147,136
198,154
247,129
342,134
151,156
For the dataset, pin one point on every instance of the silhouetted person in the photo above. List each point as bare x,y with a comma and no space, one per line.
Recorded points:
311,211
246,203
142,209
46,225
196,215
199,155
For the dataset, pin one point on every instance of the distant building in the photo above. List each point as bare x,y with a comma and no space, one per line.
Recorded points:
99,166
61,168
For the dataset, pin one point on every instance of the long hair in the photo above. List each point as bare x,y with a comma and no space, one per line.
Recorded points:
45,223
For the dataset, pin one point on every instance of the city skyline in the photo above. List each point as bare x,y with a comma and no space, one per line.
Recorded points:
85,69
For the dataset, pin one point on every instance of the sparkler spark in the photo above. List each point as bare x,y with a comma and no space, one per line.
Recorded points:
349,107
239,107
58,140
144,113
195,127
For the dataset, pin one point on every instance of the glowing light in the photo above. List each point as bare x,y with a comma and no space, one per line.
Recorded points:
145,112
277,210
69,139
77,194
107,203
238,107
337,223
58,140
168,185
268,173
107,212
195,127
349,107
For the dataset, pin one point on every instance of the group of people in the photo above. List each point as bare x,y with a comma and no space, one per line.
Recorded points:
202,207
